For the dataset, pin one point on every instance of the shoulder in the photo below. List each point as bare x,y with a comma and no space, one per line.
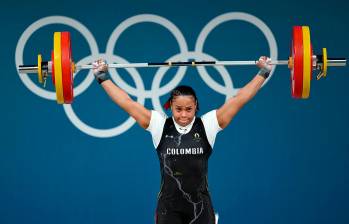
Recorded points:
210,119
156,126
157,120
211,126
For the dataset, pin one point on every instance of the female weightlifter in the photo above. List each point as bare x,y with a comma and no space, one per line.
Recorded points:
183,143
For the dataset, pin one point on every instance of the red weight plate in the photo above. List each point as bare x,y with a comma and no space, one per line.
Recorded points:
67,76
297,55
53,69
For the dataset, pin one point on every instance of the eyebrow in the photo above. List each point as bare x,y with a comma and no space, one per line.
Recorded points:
188,107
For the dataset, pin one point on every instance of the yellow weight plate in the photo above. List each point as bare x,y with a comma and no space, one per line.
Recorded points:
324,62
58,66
39,68
307,62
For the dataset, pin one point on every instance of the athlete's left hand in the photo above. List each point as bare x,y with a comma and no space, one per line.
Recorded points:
265,67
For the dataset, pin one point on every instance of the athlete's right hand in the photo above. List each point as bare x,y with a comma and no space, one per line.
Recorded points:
100,70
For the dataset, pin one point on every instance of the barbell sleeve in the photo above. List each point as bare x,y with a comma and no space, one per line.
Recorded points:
28,69
336,62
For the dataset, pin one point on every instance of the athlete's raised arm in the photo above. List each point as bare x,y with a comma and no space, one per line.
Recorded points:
119,96
232,106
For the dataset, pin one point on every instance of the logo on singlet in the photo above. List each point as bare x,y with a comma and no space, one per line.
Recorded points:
185,151
197,137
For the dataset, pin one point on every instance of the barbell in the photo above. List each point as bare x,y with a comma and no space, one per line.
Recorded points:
301,62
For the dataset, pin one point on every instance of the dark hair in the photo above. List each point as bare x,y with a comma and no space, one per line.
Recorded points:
182,90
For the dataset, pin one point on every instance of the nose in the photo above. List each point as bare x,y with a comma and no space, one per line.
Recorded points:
183,114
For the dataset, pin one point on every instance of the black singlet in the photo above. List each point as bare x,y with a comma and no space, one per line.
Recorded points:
184,197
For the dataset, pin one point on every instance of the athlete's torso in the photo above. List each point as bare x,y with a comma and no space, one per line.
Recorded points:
183,161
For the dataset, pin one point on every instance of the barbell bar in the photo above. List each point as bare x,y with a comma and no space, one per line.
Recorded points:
301,62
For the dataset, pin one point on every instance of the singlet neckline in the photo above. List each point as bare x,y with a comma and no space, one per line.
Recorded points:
179,127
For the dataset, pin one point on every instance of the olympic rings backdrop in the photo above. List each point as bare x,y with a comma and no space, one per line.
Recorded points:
280,160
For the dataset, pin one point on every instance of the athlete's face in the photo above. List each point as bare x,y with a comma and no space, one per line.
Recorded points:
183,109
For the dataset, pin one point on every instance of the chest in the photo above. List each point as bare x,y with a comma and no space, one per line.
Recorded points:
191,144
